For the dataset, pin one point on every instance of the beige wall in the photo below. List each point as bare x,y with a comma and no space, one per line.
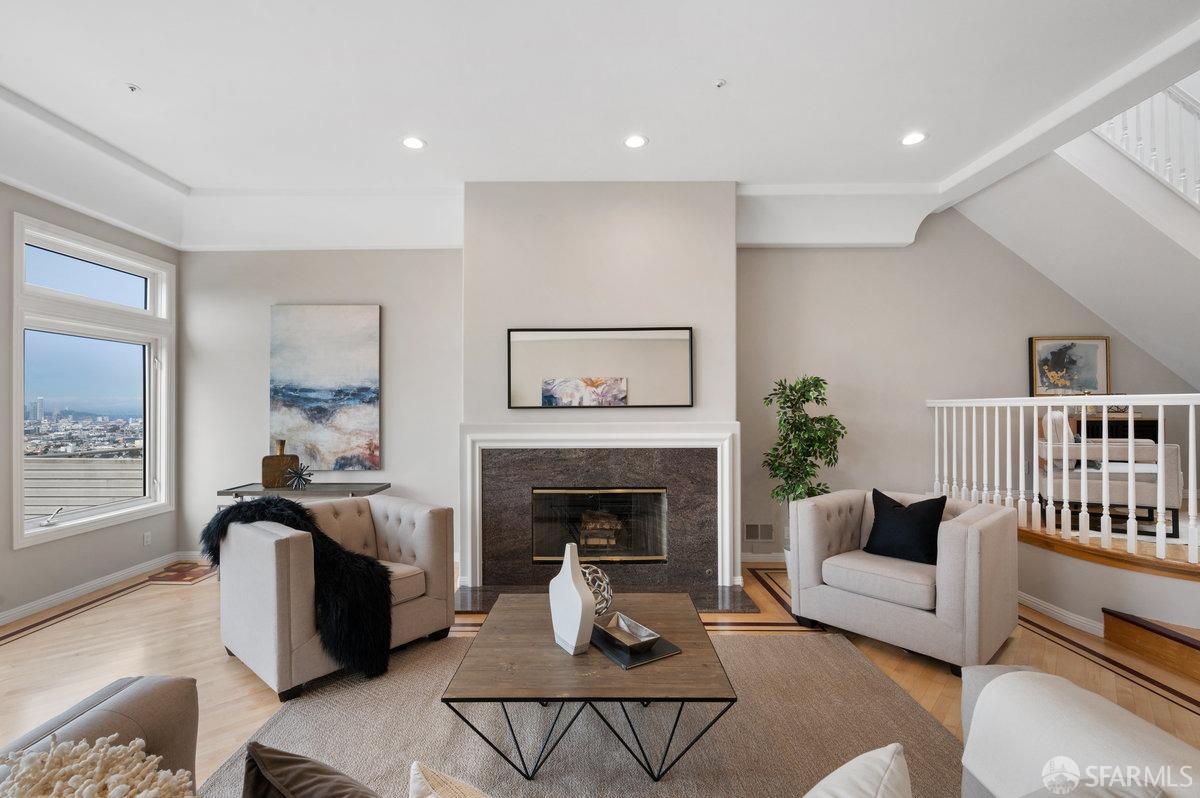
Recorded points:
224,340
948,317
599,255
33,573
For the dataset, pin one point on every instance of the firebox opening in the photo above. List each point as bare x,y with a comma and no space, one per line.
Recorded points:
607,524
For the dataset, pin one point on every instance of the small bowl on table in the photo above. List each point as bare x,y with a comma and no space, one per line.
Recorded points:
626,633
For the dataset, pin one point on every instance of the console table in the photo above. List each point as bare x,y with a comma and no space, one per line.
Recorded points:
316,491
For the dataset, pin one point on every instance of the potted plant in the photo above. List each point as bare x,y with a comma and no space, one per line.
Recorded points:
805,444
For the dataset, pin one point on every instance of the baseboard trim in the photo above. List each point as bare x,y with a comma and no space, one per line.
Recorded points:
771,556
63,596
1059,614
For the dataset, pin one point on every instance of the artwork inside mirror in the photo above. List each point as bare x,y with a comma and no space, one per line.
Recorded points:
612,367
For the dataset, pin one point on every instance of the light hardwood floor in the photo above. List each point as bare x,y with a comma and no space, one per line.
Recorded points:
173,629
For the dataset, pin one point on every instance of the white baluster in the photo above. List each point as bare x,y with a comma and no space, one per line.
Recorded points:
1085,520
1035,495
1193,546
1066,475
1022,505
974,457
1131,526
1160,525
945,455
985,496
996,457
1051,512
1008,495
954,451
964,494
1105,491
937,483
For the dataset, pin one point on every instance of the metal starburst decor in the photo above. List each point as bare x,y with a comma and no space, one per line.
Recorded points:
298,477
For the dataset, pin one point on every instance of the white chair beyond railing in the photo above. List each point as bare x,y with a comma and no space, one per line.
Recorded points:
1074,471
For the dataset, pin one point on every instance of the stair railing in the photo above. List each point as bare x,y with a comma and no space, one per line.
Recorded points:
1162,135
1067,463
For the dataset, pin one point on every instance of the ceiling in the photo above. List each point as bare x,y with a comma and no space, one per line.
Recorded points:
284,95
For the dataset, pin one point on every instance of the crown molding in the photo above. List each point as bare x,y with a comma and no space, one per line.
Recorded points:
51,157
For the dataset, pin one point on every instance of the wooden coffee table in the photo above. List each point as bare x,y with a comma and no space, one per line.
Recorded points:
514,659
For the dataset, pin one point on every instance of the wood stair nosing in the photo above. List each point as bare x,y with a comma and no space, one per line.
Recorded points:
1168,645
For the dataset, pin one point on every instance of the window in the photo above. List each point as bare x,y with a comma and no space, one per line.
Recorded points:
92,362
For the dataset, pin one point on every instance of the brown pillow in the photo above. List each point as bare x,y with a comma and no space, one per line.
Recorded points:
271,773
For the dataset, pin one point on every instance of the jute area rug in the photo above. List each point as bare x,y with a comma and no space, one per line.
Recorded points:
806,704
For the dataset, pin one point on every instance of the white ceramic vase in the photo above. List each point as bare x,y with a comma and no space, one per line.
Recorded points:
572,605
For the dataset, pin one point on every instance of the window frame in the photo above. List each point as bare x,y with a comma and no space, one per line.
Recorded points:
49,310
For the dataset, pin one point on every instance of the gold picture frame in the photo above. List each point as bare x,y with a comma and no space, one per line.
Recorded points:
1070,365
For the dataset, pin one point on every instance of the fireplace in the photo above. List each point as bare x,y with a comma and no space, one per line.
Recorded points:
607,524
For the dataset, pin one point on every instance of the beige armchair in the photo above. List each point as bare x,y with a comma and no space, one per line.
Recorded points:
959,611
268,617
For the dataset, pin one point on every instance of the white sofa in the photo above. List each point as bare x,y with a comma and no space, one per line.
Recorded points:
1016,720
959,611
268,616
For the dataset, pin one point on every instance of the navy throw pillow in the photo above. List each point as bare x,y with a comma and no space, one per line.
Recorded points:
907,533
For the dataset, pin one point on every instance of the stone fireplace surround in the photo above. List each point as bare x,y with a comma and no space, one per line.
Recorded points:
697,462
508,476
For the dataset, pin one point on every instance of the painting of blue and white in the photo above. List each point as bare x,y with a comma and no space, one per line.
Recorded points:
325,384
584,392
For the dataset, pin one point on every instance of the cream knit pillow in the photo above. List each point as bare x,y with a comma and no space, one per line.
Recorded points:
99,770
425,782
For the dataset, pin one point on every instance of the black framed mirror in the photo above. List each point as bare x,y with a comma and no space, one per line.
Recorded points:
574,367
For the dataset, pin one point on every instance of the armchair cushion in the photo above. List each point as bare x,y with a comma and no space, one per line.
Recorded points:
898,581
908,532
408,581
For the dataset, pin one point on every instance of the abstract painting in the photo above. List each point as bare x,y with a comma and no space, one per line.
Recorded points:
584,392
325,384
1068,366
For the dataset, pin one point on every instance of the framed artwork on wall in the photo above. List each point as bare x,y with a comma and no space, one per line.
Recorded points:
1069,365
325,384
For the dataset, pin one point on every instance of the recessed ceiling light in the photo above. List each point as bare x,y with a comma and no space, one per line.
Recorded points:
913,138
636,141
413,143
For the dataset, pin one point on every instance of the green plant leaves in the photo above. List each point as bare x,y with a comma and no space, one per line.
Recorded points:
806,442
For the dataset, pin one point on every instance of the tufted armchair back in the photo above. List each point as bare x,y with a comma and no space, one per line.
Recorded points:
954,508
393,529
350,523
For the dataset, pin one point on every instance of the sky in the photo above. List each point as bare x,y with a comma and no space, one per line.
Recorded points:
60,272
84,374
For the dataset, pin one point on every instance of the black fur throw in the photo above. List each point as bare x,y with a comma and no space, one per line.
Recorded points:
353,591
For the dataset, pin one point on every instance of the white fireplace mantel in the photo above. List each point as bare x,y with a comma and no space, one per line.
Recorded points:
474,438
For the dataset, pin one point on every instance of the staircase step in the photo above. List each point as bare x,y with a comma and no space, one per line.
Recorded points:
1172,646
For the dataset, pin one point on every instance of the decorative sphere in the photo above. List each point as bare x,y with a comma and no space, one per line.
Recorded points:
597,582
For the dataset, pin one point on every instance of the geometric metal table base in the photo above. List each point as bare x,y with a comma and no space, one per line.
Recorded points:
643,760
547,747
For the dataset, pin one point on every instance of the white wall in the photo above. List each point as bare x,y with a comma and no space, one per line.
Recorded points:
224,340
43,570
598,255
948,317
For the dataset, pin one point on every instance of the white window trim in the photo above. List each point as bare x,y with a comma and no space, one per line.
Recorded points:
38,308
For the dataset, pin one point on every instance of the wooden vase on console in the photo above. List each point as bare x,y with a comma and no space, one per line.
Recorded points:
572,605
275,466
